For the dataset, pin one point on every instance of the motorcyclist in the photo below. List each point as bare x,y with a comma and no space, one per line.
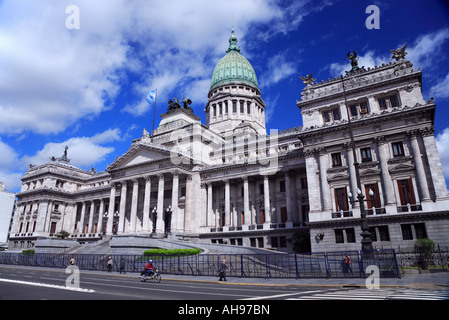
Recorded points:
149,268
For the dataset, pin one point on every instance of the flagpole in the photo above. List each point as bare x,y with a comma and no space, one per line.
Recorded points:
154,115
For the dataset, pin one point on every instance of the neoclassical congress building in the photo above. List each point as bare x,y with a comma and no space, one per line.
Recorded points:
228,182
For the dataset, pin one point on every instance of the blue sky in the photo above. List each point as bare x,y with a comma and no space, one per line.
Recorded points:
86,87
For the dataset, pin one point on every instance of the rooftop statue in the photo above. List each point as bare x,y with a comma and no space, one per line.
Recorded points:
399,54
354,60
176,105
308,80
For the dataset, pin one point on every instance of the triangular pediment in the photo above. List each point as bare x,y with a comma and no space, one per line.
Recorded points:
139,154
401,168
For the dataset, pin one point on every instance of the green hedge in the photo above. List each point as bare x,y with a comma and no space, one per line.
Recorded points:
171,252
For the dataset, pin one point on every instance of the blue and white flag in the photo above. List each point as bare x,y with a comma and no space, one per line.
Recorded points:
151,96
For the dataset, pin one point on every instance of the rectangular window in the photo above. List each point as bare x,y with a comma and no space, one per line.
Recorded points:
282,186
406,193
406,232
331,115
366,154
339,236
398,149
248,107
283,214
360,108
234,106
242,107
336,159
350,235
388,102
341,199
374,200
420,230
383,233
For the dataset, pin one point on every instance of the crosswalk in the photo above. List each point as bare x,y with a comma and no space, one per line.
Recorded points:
375,294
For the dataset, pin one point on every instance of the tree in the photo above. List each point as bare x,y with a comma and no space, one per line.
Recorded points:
424,248
300,241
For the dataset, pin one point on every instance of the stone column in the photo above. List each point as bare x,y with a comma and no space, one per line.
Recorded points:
42,216
175,221
288,196
325,190
210,213
83,215
100,217
436,171
312,182
121,221
160,226
246,201
419,167
227,203
352,175
203,203
266,198
188,224
135,196
72,229
91,217
387,183
111,210
146,206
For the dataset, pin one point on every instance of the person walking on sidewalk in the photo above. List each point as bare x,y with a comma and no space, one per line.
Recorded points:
122,266
348,263
222,270
110,264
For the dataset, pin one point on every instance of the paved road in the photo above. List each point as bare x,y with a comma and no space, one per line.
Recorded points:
20,283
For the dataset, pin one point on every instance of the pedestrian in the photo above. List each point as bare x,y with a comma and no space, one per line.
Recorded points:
222,270
122,265
348,263
110,263
72,261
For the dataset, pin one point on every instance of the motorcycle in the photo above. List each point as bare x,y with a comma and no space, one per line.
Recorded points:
155,276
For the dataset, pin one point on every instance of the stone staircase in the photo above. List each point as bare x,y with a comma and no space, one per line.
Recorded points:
98,247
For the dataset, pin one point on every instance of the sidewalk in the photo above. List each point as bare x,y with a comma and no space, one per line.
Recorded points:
438,281
432,280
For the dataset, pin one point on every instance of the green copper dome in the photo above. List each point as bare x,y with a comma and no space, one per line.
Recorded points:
233,67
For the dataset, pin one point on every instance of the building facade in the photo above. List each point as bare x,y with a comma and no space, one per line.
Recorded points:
7,203
229,182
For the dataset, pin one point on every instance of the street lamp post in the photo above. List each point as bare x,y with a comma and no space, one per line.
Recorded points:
367,243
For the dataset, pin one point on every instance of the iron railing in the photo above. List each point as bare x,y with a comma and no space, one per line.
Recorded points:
312,265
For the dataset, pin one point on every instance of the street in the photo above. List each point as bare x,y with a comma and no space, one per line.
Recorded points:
24,283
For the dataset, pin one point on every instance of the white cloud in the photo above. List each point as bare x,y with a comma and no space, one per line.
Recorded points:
8,163
421,53
368,60
426,48
442,141
440,90
83,152
278,68
52,77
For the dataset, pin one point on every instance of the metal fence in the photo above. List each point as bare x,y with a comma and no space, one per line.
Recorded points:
313,265
437,260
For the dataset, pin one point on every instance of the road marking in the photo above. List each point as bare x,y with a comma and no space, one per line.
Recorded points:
280,295
37,284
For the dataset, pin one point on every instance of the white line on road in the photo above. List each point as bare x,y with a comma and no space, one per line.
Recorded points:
47,285
280,295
